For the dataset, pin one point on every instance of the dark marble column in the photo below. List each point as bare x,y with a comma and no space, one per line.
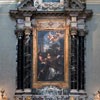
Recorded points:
81,65
73,63
20,60
27,59
74,53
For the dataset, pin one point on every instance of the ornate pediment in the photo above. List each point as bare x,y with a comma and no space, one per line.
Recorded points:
51,8
51,5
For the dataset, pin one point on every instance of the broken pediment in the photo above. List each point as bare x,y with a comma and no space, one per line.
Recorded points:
77,4
51,8
26,5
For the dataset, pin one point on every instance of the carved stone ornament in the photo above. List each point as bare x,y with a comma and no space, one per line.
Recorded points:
50,23
49,6
49,90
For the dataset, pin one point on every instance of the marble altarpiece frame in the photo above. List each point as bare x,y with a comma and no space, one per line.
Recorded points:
49,27
49,17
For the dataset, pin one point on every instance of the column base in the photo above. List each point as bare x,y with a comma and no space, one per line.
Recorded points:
19,91
27,90
82,91
74,91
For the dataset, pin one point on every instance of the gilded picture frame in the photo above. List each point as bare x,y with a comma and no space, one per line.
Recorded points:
50,25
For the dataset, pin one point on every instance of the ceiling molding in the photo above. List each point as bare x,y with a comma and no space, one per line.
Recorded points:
7,1
93,1
14,1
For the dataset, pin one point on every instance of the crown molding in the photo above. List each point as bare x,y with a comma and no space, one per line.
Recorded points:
7,1
93,1
14,1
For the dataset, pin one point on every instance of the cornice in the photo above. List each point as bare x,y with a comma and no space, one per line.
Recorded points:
7,2
93,1
14,1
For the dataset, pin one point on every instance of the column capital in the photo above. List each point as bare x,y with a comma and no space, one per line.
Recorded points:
73,31
27,31
19,33
82,32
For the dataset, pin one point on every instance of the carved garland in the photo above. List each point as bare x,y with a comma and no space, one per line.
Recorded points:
49,6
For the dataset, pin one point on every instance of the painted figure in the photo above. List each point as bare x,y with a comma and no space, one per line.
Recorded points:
50,56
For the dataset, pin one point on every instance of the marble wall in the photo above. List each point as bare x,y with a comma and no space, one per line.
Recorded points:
8,51
93,51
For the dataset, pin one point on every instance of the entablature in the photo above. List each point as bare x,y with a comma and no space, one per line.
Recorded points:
21,14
